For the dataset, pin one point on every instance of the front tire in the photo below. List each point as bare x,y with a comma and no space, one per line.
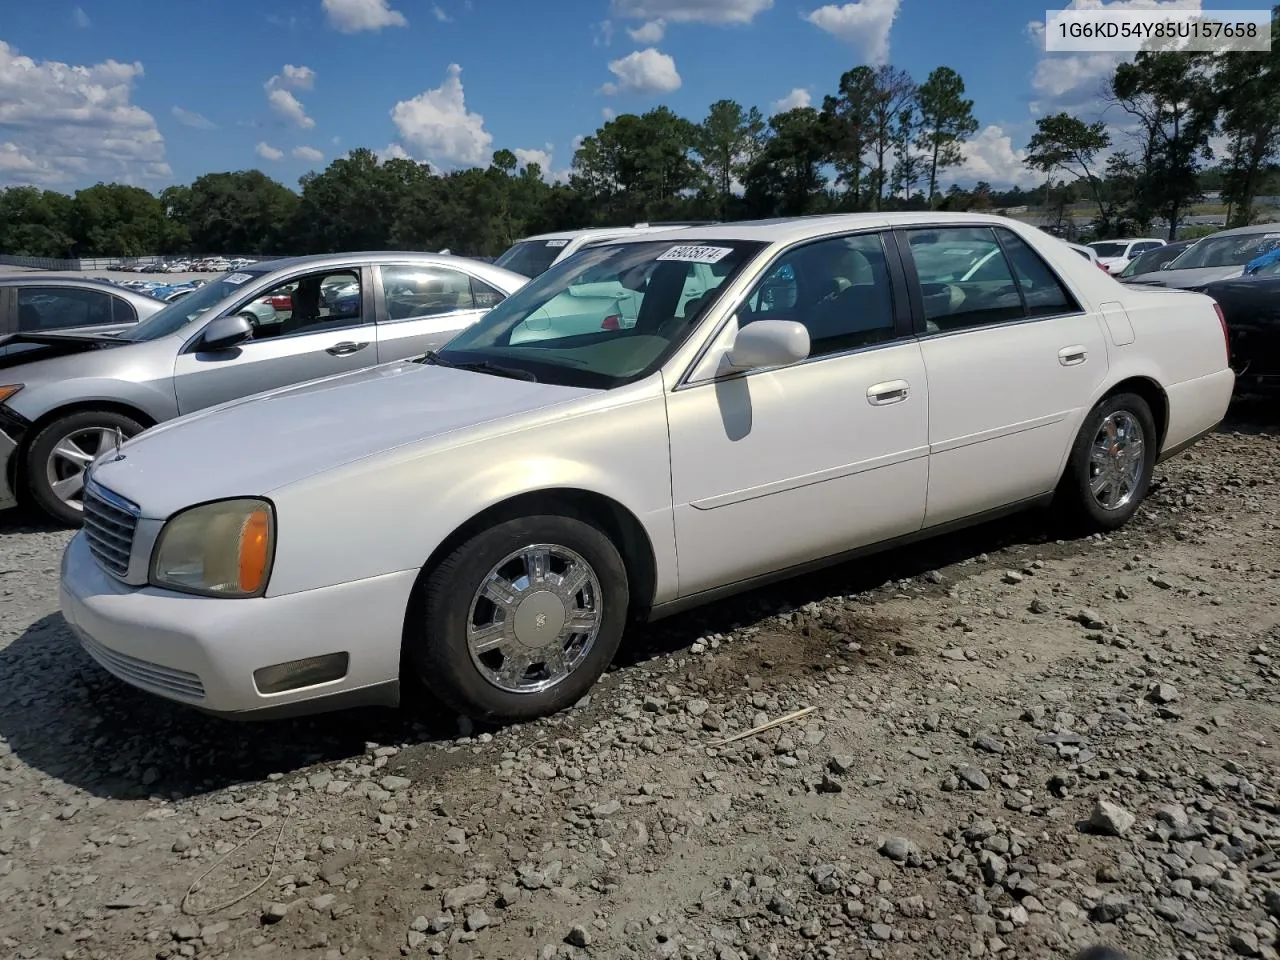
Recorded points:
520,620
60,454
1111,463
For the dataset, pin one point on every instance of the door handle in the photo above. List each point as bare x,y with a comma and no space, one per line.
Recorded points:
346,347
1070,356
891,391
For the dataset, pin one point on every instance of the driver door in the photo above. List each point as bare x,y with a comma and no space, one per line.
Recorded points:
315,325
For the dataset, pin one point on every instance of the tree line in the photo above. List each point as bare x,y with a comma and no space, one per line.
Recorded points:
880,141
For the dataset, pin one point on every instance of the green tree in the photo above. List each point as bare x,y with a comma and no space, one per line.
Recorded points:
727,142
908,167
1246,86
1069,145
115,220
1171,95
787,179
849,129
636,167
35,223
892,93
351,204
946,122
243,212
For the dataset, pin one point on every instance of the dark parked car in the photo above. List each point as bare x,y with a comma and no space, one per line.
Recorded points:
43,303
1153,260
1251,306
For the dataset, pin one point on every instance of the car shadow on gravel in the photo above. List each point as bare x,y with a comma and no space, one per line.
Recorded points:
64,716
1252,414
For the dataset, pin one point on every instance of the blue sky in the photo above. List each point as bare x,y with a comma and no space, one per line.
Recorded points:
156,93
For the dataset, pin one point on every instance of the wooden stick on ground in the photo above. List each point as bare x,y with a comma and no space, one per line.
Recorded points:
765,726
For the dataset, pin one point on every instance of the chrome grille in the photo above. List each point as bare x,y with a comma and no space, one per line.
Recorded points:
143,673
109,524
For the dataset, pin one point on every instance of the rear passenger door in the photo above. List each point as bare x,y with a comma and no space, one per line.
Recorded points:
1012,358
421,306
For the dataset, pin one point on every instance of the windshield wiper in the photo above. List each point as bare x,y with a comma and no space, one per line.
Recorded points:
486,366
432,357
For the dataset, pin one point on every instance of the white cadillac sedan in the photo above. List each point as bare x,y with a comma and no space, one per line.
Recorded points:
489,518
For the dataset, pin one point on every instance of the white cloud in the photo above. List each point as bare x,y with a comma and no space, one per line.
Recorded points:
651,32
578,141
541,157
1074,81
197,121
799,97
991,156
80,18
602,33
644,71
354,16
393,151
437,125
68,123
297,78
865,25
691,11
440,14
608,113
268,152
309,154
281,98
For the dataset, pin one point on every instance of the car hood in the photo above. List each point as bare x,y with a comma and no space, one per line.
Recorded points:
252,446
1187,278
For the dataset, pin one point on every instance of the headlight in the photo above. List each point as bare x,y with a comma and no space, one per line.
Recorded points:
221,549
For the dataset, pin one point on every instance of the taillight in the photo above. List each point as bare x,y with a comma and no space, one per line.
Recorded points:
1226,333
613,322
1102,266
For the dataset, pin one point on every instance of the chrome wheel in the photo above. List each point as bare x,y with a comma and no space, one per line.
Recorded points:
1117,460
71,457
534,618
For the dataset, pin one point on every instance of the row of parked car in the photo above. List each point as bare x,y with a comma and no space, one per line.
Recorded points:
419,467
187,265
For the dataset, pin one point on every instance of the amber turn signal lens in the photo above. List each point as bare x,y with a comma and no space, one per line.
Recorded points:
255,550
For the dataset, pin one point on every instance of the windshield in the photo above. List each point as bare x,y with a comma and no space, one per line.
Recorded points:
1152,260
1226,251
1109,248
185,309
606,316
531,257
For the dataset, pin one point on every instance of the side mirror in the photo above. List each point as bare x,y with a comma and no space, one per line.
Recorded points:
226,332
768,343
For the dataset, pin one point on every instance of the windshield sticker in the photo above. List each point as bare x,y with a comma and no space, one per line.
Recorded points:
697,254
557,243
238,278
1271,236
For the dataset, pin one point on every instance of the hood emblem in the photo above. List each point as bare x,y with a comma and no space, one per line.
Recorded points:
119,441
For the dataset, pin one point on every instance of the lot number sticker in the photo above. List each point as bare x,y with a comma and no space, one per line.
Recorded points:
557,243
238,278
697,254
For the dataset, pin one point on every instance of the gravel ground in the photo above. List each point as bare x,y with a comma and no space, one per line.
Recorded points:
1017,747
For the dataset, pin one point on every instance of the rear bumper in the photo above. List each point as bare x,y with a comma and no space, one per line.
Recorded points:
1196,407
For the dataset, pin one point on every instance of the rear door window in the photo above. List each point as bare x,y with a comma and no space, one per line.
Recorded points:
60,308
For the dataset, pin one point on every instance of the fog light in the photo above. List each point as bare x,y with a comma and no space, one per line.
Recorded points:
296,674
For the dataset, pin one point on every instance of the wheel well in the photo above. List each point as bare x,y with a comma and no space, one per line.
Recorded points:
615,520
1155,396
17,461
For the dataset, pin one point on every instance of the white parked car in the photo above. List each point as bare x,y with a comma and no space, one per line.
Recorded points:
533,256
490,518
1115,255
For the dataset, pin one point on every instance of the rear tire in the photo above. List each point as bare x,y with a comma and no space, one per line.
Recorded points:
538,637
60,453
1111,463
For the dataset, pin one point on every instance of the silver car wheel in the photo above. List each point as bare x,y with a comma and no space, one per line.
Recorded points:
71,457
534,619
1117,460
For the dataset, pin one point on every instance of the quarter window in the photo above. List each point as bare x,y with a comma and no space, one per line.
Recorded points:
58,308
122,311
426,291
485,296
1043,292
839,289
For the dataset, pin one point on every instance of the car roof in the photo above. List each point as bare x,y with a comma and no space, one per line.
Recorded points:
368,257
595,233
1246,231
795,229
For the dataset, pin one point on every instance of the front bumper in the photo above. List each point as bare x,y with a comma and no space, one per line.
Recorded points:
203,651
